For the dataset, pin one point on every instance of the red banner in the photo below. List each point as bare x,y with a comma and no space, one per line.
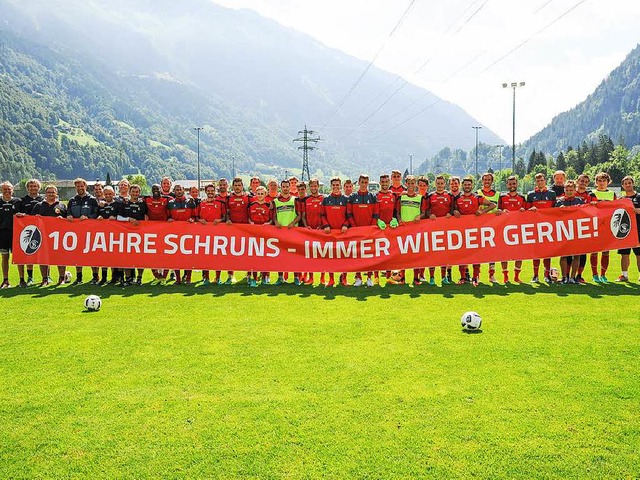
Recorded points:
445,241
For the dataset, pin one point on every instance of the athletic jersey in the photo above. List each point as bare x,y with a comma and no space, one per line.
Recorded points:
108,210
238,207
386,205
169,194
211,211
491,195
334,211
8,208
55,209
269,198
181,209
196,201
400,189
27,203
569,202
455,195
157,208
604,194
284,210
468,204
558,190
260,213
86,205
409,207
587,196
541,198
362,209
440,203
300,205
512,203
313,211
136,210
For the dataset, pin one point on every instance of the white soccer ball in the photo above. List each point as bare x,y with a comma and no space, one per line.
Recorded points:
67,276
92,303
471,321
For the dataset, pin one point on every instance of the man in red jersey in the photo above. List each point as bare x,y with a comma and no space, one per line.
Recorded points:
272,190
157,211
362,211
468,203
347,187
512,201
334,216
211,210
440,204
312,216
489,193
222,196
300,202
254,183
386,211
396,182
181,209
260,213
237,211
454,191
423,185
541,197
587,196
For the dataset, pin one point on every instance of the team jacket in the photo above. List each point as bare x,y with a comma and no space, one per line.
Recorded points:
569,202
55,209
79,206
313,211
181,209
512,203
541,198
157,208
211,211
334,211
8,208
27,203
587,196
238,207
468,204
362,209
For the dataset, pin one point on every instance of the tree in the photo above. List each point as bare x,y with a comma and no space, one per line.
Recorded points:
561,164
520,168
140,180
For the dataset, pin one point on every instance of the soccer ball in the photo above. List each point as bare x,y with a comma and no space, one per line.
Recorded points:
471,321
67,276
92,303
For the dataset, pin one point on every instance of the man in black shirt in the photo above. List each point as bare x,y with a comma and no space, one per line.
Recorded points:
27,204
133,210
51,207
9,206
83,206
109,209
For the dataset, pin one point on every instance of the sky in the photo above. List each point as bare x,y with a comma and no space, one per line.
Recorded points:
464,50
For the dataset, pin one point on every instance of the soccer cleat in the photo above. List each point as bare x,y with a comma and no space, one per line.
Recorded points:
603,279
45,282
358,282
102,282
5,284
474,281
343,280
206,282
22,284
535,280
250,282
423,279
139,281
548,280
446,281
417,282
297,282
462,281
77,281
596,279
61,281
571,281
622,278
330,283
369,282
265,281
280,280
29,281
492,279
309,280
432,282
94,281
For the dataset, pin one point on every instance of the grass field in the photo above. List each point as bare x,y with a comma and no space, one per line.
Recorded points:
301,382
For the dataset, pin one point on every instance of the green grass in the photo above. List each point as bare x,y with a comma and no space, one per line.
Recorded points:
303,382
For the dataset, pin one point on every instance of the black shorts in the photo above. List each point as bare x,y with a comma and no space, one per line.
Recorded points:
627,251
6,236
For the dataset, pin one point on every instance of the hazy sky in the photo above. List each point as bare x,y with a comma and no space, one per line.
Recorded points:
458,42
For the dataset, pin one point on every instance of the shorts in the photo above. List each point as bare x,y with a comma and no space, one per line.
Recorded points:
6,237
627,251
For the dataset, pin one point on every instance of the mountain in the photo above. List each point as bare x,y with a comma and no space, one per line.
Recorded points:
613,109
118,85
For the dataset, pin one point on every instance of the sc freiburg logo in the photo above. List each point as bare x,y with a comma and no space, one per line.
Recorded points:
30,239
620,224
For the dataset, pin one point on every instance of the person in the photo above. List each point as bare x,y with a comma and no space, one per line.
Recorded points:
588,197
334,217
468,203
9,207
300,278
194,193
165,187
272,190
569,264
489,193
260,213
157,212
629,193
123,190
396,182
541,197
27,204
348,187
312,216
512,201
109,209
293,186
603,194
181,209
440,204
363,210
559,179
83,206
284,215
454,191
51,206
98,191
423,185
411,208
223,196
212,210
134,211
237,212
254,183
386,213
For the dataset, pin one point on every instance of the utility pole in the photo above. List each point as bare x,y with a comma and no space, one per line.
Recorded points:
513,85
308,137
233,167
411,164
500,147
197,129
476,129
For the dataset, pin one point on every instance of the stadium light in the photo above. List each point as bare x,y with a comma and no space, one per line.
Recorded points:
197,129
513,85
476,129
